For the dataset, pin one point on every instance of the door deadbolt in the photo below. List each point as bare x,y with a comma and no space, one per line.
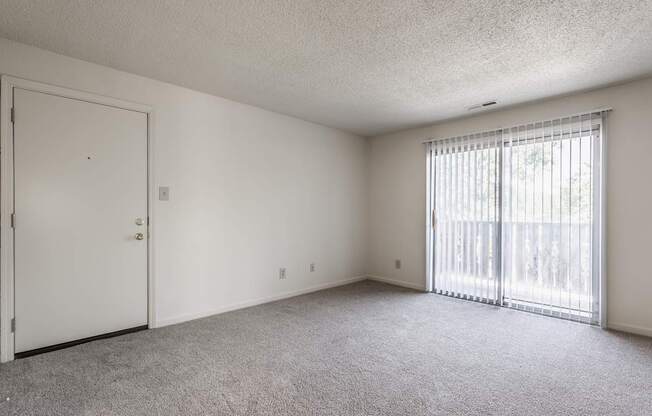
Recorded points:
140,221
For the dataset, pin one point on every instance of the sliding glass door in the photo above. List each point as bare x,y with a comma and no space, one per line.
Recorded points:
515,217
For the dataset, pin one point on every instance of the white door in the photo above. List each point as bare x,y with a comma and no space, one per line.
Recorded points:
80,187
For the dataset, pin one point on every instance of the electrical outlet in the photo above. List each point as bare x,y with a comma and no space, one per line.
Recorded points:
281,273
397,263
312,267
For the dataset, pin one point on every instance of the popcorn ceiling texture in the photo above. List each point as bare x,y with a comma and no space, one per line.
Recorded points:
369,67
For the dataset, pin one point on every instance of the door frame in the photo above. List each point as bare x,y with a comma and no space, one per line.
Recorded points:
7,294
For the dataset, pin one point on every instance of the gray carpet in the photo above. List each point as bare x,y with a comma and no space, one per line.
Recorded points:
362,349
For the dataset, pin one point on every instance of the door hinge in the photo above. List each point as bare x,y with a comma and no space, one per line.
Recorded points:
13,220
13,115
13,324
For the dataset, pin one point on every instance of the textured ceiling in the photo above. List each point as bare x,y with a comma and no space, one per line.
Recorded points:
368,67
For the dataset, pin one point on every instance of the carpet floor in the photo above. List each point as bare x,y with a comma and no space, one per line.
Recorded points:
362,349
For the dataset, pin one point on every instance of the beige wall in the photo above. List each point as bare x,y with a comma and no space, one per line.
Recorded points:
397,194
251,191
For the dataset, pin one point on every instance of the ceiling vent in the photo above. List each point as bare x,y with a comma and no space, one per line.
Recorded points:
483,105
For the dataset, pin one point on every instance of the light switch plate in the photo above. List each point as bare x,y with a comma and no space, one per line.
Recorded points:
163,193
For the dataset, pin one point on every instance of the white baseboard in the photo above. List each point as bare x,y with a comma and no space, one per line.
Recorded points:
634,329
397,282
253,302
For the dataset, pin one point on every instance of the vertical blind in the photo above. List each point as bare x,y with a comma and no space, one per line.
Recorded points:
467,211
515,216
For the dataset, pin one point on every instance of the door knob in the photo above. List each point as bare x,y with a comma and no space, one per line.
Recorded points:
140,236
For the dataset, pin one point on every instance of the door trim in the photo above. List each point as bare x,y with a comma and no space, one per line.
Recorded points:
7,84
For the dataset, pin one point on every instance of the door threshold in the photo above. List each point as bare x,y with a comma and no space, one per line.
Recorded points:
68,344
